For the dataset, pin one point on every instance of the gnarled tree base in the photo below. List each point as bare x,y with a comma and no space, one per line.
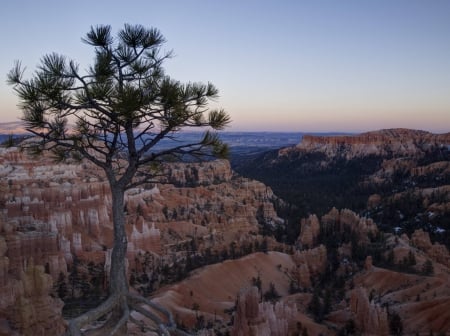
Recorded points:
117,310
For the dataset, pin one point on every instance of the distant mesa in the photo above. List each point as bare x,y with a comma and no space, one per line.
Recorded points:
400,141
384,136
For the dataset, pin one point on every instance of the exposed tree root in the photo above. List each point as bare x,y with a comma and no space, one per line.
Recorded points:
142,325
123,320
137,299
162,321
75,325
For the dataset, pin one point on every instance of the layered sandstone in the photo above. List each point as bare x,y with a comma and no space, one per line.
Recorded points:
387,143
384,142
53,213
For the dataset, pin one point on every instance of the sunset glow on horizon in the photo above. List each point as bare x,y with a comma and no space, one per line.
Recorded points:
307,66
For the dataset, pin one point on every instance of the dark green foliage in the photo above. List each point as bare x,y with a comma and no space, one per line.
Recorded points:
96,278
152,275
123,105
83,289
301,179
294,287
200,322
427,268
271,294
315,306
326,302
61,286
263,246
257,282
411,258
395,324
348,329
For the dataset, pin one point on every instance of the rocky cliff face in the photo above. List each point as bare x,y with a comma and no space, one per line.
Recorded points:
52,214
400,142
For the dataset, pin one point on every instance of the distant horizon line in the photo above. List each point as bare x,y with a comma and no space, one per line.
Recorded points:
335,132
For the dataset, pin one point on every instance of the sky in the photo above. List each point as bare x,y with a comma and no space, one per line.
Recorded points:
280,65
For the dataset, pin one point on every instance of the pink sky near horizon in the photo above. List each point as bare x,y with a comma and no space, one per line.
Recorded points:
297,66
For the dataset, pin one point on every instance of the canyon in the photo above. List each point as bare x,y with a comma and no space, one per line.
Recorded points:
398,177
225,254
57,215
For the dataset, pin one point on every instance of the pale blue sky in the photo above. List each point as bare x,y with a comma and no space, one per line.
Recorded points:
279,65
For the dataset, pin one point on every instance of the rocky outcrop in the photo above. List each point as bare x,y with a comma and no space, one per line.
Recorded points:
27,306
247,311
309,264
421,239
204,173
346,219
253,318
436,251
335,220
368,263
309,231
436,168
370,319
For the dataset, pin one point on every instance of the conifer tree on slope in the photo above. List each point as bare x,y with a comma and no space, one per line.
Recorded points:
121,107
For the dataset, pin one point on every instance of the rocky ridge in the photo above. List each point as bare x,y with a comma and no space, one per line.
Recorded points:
398,141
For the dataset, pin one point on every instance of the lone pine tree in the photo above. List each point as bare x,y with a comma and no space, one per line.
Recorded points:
114,114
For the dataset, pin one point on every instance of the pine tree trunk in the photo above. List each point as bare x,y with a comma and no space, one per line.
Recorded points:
120,302
118,284
117,302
